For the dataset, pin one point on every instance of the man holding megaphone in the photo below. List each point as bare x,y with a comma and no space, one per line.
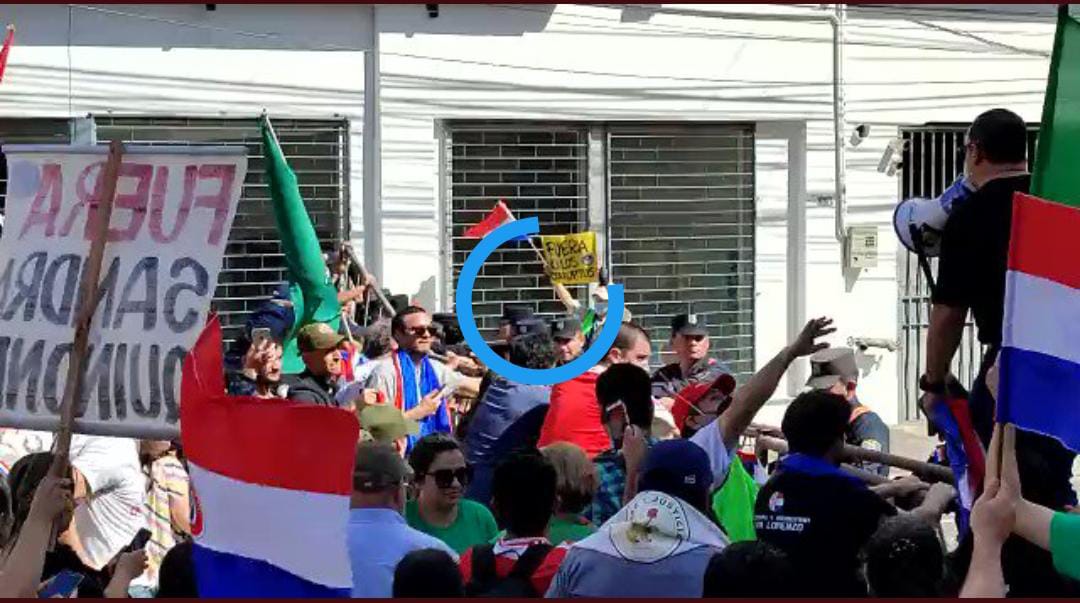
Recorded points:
974,247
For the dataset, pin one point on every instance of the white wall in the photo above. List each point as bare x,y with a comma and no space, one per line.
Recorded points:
586,65
568,62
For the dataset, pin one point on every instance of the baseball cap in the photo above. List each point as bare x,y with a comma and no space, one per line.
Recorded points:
528,326
678,468
689,324
565,328
830,365
378,466
516,313
387,423
318,336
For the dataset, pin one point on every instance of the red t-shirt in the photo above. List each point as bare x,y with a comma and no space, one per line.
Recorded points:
506,555
574,415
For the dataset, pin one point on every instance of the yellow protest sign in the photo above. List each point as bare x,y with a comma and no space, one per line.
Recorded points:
571,258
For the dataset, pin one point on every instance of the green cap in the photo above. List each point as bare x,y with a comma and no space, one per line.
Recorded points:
318,336
387,423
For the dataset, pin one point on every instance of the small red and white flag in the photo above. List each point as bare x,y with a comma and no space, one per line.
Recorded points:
499,215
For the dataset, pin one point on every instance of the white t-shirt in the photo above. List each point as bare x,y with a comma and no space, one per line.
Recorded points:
115,510
711,441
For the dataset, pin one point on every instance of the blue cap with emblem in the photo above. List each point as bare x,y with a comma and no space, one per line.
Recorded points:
689,324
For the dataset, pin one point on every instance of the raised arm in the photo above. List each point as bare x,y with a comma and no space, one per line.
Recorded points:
748,399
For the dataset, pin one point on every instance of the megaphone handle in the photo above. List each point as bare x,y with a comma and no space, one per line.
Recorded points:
924,263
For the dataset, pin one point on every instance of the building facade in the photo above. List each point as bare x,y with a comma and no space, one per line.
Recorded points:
698,141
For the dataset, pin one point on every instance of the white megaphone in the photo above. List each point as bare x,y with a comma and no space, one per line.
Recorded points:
919,223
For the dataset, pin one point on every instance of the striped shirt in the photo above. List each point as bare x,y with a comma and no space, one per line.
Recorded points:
168,482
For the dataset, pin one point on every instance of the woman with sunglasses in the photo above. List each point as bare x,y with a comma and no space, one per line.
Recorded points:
440,509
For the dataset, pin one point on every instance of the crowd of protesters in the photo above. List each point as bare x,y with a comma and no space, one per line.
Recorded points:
619,482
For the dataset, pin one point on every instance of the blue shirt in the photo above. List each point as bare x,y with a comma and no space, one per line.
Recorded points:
509,416
378,539
587,573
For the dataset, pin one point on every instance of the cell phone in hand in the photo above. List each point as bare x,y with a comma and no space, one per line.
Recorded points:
63,585
260,335
139,542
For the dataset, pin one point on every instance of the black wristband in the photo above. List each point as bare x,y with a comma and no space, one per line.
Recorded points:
931,388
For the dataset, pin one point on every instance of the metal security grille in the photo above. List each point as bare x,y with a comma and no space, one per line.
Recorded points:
538,170
682,231
27,131
317,150
932,159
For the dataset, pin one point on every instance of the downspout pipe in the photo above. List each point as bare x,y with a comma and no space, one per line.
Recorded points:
840,175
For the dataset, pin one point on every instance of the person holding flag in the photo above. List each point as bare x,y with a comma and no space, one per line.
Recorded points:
971,275
312,293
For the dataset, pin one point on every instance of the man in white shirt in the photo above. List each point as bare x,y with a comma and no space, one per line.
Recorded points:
110,497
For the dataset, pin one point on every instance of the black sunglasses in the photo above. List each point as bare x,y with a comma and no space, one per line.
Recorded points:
421,331
444,478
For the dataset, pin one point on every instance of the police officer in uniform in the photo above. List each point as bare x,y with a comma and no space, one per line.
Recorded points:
834,370
690,342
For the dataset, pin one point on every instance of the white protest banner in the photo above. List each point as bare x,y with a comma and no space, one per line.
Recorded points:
171,216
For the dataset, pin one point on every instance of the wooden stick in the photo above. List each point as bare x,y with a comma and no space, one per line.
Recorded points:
91,279
854,453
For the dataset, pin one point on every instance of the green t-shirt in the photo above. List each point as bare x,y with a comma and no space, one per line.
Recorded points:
1065,544
474,525
733,503
561,530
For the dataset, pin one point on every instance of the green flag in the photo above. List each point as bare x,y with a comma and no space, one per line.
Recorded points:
1056,176
313,296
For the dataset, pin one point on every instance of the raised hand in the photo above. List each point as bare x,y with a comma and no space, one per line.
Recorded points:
806,343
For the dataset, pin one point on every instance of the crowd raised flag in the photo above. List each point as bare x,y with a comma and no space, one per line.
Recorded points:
313,295
499,215
271,500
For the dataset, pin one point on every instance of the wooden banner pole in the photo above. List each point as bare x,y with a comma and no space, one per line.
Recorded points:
88,301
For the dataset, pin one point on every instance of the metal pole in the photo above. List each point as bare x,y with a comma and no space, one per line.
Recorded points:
372,163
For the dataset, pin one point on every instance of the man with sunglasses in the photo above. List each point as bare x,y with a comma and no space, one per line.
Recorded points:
690,342
414,382
440,509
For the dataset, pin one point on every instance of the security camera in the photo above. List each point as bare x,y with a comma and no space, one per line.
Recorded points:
859,134
895,146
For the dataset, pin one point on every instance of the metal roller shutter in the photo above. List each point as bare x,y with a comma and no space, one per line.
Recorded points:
681,227
538,170
317,151
932,158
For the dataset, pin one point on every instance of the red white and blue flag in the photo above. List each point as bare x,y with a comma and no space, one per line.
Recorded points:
963,450
271,482
499,215
1039,387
